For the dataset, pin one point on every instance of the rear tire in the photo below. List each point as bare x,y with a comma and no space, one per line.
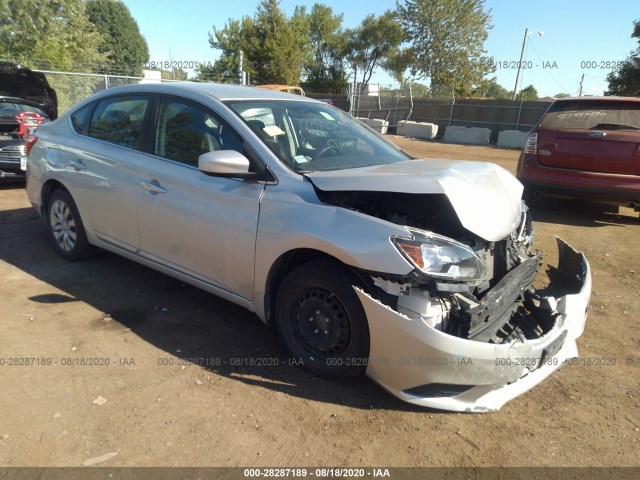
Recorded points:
321,321
66,228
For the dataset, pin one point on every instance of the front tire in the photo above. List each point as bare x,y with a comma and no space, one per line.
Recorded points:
321,321
66,228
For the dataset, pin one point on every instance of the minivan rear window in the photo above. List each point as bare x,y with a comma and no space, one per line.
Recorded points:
596,115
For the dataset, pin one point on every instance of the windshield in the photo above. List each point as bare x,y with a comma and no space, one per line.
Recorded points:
310,136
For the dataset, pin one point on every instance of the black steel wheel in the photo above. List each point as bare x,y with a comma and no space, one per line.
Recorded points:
65,227
321,320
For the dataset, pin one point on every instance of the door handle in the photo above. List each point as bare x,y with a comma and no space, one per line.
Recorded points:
153,186
78,165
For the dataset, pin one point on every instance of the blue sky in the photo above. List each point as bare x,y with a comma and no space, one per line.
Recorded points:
580,36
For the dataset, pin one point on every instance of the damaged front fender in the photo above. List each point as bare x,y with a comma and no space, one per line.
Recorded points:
424,366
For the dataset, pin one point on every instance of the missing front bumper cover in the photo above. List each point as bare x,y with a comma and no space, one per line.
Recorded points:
406,353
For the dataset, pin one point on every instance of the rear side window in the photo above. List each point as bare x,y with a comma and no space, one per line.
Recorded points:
585,115
119,120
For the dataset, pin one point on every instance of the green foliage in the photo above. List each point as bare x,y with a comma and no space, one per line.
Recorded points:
562,95
528,93
275,53
491,89
235,36
447,41
50,34
376,43
174,74
323,43
625,80
125,47
269,43
418,90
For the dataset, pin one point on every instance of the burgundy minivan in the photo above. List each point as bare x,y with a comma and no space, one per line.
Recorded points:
588,148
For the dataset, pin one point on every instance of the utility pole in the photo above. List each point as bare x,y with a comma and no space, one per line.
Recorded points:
524,42
240,75
581,82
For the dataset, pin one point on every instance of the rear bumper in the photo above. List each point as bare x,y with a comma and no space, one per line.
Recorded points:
601,187
426,367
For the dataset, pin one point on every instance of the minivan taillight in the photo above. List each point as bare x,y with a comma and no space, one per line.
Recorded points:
29,141
532,144
29,121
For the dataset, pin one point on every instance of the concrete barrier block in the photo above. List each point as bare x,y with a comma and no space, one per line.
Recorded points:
417,130
471,135
378,125
512,139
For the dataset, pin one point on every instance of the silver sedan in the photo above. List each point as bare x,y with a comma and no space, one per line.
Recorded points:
415,272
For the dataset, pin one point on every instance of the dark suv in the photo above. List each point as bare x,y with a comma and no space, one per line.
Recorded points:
588,148
26,100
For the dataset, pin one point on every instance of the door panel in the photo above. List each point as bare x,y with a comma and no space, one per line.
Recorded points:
200,225
102,161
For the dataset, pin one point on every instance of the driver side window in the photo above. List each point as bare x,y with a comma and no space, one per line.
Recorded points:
185,130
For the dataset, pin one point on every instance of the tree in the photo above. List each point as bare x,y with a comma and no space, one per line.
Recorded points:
125,47
447,41
625,80
491,89
376,43
323,60
271,50
54,34
418,90
561,95
275,54
174,74
235,36
528,93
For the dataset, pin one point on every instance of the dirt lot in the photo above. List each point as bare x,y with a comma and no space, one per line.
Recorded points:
151,407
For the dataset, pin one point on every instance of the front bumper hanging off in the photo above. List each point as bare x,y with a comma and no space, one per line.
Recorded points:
427,367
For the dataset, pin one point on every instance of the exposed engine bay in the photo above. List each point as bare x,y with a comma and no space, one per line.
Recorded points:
498,308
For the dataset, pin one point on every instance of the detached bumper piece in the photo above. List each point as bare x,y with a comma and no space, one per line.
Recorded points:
533,334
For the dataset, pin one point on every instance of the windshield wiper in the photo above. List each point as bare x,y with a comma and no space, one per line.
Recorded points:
613,126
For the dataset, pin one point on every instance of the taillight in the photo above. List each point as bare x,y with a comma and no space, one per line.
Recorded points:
29,141
532,144
29,121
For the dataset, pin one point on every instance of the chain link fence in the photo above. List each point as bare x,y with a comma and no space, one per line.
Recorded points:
74,87
438,106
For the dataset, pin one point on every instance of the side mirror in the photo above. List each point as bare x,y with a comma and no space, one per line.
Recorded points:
226,163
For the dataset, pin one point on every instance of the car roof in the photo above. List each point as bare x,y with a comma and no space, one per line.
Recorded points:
221,91
599,99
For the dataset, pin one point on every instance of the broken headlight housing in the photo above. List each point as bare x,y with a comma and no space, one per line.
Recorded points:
441,257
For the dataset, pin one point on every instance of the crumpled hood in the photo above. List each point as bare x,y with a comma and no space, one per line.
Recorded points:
485,196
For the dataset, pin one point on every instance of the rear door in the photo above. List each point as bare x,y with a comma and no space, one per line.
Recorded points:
591,135
101,166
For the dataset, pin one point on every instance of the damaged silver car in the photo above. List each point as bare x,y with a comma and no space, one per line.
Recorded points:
416,272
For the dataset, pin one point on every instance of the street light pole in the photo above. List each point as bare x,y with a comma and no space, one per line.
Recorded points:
524,42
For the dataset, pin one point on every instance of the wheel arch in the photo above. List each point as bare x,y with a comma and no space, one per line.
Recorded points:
289,261
47,190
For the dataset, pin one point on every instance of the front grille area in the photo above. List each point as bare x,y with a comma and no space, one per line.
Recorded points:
12,153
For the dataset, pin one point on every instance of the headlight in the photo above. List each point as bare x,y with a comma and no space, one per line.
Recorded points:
441,257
